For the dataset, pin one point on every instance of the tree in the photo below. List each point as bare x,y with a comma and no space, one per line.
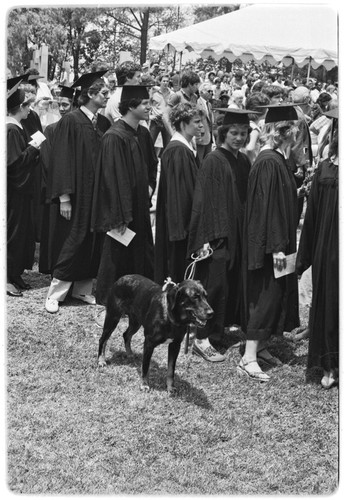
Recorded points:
203,13
82,36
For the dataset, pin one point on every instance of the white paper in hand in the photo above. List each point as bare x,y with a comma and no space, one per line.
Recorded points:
37,139
291,262
124,238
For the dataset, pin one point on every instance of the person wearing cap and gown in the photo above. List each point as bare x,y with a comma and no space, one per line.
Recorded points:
65,102
31,125
179,167
74,251
216,222
270,224
125,182
319,249
22,160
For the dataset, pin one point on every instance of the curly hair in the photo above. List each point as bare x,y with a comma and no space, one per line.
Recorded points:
253,103
95,88
276,133
126,71
183,113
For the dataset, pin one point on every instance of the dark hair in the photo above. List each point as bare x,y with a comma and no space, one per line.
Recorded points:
163,75
254,100
126,71
95,88
124,106
21,98
183,113
333,147
273,91
189,78
223,130
324,97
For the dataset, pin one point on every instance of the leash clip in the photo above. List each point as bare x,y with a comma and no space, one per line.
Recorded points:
167,282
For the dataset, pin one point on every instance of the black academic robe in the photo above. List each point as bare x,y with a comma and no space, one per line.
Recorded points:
319,248
217,217
74,251
127,167
271,305
22,160
32,124
179,168
43,263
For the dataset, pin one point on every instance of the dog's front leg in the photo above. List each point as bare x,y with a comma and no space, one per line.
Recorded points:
173,351
148,349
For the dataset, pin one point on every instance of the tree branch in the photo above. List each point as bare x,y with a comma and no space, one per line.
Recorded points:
124,23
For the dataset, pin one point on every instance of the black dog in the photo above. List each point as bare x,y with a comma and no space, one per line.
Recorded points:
164,313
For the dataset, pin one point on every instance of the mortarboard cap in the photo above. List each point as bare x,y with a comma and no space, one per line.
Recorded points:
11,82
15,97
333,113
87,80
66,92
280,113
238,116
13,88
134,92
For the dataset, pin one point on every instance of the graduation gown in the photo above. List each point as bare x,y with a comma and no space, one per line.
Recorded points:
319,248
73,250
43,263
22,160
179,168
271,305
32,124
217,217
126,168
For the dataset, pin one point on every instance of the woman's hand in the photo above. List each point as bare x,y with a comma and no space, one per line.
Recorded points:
66,209
121,228
280,261
203,252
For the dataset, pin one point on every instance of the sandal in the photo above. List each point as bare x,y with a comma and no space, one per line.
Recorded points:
264,356
329,379
257,375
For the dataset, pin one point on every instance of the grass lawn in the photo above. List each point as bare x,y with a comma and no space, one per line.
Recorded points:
74,429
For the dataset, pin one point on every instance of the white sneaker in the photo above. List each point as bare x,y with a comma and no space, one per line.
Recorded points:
89,299
52,305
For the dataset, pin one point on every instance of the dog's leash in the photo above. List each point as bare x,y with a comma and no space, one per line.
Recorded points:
192,266
189,275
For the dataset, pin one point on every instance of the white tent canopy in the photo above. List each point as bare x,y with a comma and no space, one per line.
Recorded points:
287,33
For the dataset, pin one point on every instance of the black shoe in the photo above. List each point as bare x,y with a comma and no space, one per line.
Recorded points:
12,291
20,283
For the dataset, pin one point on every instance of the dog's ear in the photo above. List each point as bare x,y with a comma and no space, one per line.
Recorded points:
172,293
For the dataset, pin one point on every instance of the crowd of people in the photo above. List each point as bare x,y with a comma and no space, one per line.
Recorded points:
143,171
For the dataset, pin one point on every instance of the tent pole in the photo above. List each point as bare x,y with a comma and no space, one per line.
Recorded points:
292,71
180,67
309,68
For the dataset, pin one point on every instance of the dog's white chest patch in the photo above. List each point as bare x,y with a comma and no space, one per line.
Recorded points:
168,341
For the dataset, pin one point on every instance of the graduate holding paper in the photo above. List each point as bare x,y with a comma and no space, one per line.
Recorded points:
125,182
22,161
271,304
